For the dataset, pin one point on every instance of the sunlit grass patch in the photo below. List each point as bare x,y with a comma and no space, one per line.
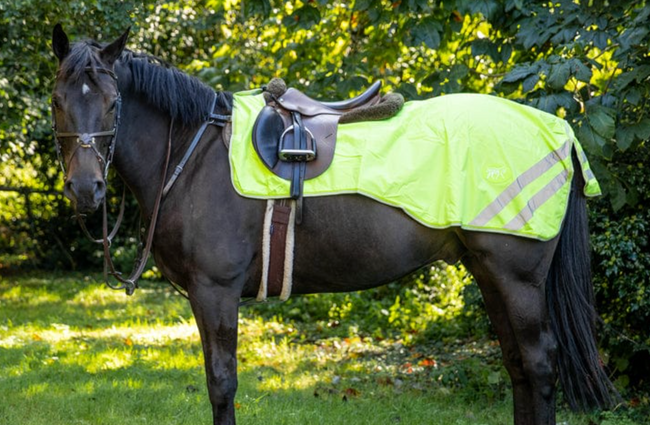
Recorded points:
75,352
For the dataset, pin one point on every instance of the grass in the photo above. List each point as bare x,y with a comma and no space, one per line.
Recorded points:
75,352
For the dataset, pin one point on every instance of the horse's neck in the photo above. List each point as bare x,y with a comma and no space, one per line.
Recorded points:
141,150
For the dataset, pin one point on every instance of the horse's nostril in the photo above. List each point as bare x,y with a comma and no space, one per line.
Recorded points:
100,186
99,190
69,190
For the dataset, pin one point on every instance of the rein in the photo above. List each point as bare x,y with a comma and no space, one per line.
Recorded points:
131,283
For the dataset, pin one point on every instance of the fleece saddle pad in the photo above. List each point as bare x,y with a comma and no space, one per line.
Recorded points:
476,161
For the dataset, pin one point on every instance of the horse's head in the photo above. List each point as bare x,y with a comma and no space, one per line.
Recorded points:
85,115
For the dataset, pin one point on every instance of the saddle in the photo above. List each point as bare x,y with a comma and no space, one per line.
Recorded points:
295,135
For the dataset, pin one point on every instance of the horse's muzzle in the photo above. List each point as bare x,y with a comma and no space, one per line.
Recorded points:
85,194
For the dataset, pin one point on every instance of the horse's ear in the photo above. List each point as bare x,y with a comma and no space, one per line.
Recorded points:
60,43
112,52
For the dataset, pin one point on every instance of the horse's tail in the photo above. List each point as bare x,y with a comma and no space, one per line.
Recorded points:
570,298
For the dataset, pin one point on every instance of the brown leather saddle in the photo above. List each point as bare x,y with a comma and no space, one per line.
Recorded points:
295,135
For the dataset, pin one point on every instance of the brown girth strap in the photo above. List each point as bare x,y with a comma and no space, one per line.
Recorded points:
277,246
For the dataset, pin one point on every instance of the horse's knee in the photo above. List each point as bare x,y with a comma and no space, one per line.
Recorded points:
540,367
514,365
222,383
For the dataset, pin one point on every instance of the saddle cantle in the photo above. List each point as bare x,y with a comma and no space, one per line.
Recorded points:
295,135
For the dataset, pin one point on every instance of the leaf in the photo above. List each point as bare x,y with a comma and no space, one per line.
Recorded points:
305,17
362,5
484,46
624,137
633,96
408,91
559,75
547,103
580,70
601,119
619,196
494,378
530,36
592,141
642,129
458,72
600,39
519,73
514,4
530,82
635,36
261,7
487,8
428,32
506,52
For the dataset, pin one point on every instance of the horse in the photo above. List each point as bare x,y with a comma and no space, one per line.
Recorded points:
538,294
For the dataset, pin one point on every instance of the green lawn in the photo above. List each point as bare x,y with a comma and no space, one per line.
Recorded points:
75,352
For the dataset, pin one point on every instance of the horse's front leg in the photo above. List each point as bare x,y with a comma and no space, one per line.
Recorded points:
216,311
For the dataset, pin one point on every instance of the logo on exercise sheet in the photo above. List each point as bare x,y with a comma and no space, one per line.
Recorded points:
497,174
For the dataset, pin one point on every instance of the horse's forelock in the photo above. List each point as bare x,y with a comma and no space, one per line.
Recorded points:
82,55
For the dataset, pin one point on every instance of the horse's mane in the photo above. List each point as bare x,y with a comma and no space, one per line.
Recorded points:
184,97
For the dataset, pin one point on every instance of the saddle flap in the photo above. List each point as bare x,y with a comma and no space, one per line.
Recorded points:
267,133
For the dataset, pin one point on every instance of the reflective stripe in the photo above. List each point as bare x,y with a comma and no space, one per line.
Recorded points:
523,180
587,173
537,201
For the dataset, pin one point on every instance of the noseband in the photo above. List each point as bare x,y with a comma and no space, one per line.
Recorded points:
87,140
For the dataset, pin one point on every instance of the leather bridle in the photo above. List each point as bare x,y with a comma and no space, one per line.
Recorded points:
88,140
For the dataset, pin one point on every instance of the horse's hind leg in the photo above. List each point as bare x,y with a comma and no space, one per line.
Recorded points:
511,273
521,388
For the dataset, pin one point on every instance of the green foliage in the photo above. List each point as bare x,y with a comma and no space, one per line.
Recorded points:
428,305
588,63
622,279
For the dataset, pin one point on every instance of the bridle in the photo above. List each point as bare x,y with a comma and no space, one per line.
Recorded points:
88,140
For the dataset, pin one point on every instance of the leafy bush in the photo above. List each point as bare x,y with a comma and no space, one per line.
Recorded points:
428,305
622,277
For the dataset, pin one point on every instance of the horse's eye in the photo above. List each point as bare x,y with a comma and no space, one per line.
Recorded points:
112,107
56,103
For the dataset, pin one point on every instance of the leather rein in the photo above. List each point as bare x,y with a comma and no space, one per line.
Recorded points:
87,140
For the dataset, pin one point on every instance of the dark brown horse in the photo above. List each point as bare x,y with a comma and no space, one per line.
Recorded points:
208,238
